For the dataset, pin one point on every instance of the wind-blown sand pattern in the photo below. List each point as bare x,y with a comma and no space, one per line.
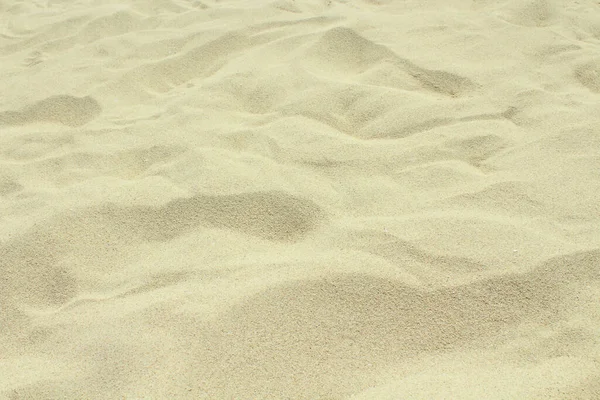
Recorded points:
307,199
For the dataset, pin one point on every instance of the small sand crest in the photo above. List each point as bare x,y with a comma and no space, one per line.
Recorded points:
62,109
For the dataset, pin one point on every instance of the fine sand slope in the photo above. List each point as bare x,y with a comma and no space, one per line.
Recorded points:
300,199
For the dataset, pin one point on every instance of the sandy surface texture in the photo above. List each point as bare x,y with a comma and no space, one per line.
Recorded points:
300,199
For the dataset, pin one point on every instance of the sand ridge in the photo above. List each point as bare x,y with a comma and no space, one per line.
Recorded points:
299,199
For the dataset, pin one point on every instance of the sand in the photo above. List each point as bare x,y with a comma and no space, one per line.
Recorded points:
310,199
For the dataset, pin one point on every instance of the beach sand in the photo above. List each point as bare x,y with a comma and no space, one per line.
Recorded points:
309,199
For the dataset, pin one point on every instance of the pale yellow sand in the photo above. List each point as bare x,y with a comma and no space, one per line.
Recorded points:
309,199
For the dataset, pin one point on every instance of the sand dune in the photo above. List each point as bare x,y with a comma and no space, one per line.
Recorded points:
290,199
